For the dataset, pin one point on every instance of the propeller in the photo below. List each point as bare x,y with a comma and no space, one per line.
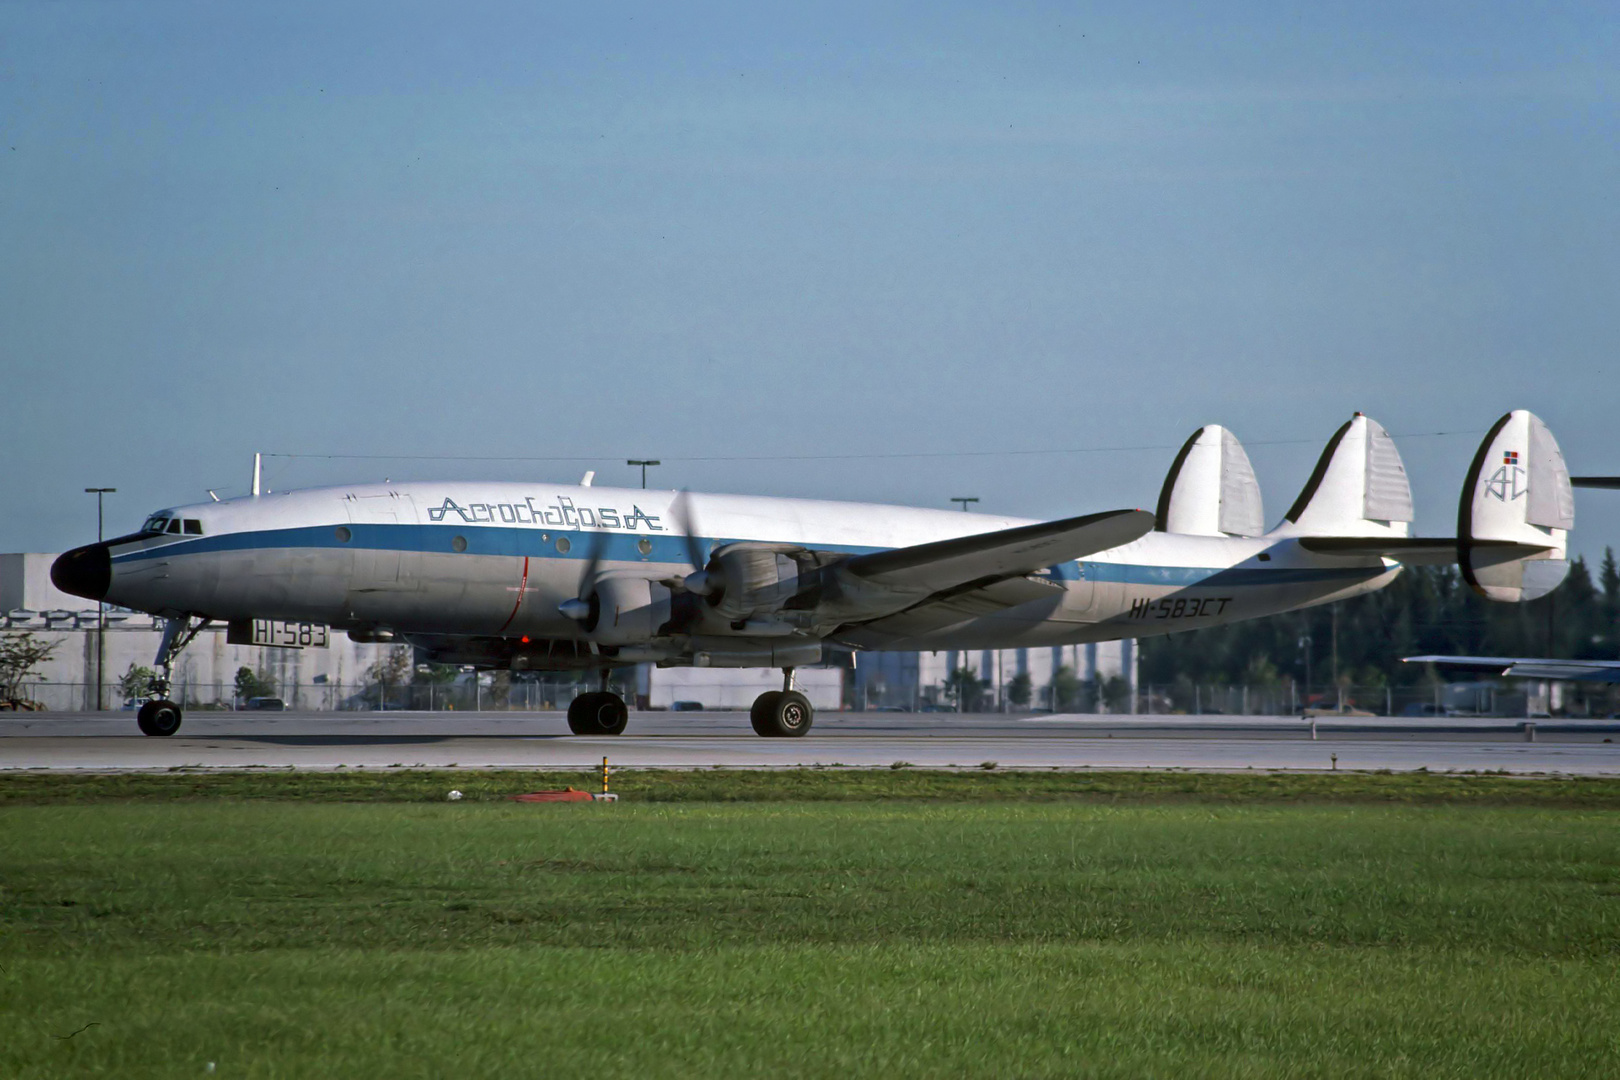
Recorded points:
586,608
700,580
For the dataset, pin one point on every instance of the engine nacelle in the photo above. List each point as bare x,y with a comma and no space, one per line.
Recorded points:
748,579
627,610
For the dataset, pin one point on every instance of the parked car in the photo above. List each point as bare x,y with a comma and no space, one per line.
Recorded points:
686,706
265,704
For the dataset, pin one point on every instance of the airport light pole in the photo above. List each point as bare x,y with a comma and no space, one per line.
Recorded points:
101,605
643,464
1305,644
964,500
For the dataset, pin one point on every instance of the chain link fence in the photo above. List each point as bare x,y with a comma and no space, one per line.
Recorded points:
1521,699
329,697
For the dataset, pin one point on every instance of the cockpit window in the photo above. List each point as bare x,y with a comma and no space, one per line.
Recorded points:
174,525
154,524
193,527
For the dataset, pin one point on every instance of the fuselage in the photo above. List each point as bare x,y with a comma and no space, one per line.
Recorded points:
496,559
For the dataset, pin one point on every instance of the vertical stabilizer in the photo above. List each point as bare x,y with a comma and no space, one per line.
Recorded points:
1517,492
1358,488
1210,489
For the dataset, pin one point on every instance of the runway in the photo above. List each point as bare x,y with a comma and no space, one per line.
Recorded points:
109,742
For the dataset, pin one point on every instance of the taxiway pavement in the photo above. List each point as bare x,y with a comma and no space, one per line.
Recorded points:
102,742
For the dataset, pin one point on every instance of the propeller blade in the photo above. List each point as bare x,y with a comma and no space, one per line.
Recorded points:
686,521
584,609
593,563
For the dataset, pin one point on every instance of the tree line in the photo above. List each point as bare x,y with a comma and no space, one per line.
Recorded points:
1361,641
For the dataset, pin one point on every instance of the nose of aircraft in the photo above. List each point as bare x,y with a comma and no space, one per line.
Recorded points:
84,571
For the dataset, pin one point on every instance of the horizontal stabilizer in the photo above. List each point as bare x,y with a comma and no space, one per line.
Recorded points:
1210,489
1416,551
945,564
1517,667
1611,482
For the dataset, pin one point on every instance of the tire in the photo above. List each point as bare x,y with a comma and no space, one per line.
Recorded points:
160,718
782,714
794,715
582,714
611,714
597,713
759,713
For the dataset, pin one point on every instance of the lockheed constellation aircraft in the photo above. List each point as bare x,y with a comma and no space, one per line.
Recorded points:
544,577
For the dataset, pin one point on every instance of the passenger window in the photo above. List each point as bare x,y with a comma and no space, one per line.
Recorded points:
193,527
174,525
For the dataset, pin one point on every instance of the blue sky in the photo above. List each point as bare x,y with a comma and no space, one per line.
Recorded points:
761,233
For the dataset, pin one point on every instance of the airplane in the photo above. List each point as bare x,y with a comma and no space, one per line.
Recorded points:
1531,667
534,576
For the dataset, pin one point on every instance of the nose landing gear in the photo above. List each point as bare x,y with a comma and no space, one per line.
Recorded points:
782,714
160,716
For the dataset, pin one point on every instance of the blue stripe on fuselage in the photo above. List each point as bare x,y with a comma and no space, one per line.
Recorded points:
622,547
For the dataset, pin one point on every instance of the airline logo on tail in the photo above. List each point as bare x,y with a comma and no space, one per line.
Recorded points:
1507,483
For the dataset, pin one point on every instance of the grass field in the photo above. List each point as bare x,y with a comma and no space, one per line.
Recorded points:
1024,930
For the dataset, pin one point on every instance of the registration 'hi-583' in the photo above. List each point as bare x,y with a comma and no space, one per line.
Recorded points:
1179,607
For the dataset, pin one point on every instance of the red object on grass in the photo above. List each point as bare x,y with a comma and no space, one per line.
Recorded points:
569,795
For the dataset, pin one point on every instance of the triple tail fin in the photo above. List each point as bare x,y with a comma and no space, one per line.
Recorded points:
1516,499
1358,488
1513,518
1210,489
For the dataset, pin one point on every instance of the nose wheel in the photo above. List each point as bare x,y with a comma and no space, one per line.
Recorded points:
159,717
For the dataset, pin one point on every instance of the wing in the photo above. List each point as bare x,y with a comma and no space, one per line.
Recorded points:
1530,667
916,590
942,611
994,556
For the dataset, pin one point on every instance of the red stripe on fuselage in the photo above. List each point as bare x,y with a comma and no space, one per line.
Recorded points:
523,587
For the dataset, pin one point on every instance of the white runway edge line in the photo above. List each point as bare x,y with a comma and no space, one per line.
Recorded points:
88,742
123,755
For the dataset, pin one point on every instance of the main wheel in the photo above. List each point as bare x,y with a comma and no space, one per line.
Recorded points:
759,713
611,714
598,713
159,718
582,714
782,714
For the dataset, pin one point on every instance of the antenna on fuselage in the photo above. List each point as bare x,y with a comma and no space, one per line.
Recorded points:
258,470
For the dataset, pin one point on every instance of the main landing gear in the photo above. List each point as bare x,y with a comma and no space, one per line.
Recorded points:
160,716
601,712
782,714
